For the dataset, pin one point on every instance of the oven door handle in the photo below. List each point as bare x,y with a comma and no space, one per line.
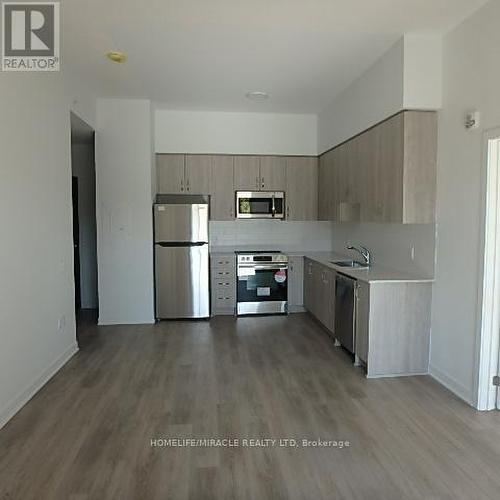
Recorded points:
264,268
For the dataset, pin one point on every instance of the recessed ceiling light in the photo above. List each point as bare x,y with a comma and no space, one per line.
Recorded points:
257,96
117,57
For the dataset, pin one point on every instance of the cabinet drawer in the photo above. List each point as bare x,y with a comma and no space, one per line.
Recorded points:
221,303
223,274
223,284
226,261
223,297
223,262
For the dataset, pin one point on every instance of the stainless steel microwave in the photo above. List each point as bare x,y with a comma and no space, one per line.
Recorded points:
260,205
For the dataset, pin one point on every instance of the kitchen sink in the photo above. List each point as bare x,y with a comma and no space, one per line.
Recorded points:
350,263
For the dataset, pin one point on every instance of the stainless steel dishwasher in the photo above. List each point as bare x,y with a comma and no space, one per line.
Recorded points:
345,312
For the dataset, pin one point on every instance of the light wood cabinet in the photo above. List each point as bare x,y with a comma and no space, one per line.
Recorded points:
301,188
198,172
327,186
326,296
170,174
247,173
222,175
344,202
259,173
386,174
319,292
371,203
223,284
392,320
309,285
272,173
388,182
295,283
222,203
419,186
393,330
362,323
183,174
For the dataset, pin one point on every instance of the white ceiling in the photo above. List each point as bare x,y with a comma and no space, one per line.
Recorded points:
206,54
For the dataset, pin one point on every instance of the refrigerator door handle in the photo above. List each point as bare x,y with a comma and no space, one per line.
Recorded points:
166,244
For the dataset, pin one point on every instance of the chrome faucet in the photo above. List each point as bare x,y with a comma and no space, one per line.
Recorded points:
364,252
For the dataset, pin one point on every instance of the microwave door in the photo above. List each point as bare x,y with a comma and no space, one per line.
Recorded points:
255,205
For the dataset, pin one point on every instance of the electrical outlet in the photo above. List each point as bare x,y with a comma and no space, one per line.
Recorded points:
61,324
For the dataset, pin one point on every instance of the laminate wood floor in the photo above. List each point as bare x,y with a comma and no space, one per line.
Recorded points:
87,434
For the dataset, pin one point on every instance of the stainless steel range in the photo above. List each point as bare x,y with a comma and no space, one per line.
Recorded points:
262,282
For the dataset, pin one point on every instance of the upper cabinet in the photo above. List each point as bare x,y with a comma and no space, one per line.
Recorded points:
183,174
246,173
301,188
272,173
259,173
386,174
419,187
198,174
222,202
221,175
170,174
326,186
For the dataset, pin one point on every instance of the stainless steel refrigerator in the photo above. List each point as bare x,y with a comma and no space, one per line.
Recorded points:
181,257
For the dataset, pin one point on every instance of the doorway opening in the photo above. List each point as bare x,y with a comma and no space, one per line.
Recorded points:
488,395
84,224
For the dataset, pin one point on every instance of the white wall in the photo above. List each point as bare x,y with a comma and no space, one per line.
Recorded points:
124,213
82,165
391,244
471,79
407,76
235,133
272,235
37,323
376,95
422,77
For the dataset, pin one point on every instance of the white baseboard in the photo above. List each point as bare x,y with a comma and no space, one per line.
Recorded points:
451,384
115,322
19,401
395,375
296,309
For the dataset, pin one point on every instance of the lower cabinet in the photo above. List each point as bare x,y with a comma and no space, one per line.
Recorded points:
223,284
308,285
393,323
295,283
362,319
392,320
326,292
319,292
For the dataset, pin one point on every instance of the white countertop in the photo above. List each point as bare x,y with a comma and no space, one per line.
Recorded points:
374,273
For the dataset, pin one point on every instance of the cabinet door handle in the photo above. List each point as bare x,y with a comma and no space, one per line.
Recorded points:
257,182
288,211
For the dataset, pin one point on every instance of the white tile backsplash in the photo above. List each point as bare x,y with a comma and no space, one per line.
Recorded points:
391,244
271,234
